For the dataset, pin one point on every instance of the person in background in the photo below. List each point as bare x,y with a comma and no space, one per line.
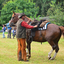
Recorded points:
21,36
14,32
9,30
3,29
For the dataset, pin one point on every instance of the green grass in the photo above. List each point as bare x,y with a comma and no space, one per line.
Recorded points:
39,53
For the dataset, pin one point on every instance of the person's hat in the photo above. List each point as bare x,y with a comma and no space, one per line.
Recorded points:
22,14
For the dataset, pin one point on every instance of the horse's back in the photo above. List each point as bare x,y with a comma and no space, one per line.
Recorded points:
52,31
53,27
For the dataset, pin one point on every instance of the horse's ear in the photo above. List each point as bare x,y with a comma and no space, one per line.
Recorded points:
14,13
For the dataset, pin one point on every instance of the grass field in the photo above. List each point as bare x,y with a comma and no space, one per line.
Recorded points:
39,53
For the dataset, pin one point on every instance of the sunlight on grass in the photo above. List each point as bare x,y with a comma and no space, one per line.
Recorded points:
39,52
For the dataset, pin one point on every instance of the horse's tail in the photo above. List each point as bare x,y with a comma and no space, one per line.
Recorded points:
62,30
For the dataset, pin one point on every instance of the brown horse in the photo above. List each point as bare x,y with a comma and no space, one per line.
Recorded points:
52,35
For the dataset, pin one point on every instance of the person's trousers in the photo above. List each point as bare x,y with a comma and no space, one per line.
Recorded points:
3,34
9,33
22,48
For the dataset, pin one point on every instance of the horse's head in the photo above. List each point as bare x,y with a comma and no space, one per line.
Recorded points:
15,18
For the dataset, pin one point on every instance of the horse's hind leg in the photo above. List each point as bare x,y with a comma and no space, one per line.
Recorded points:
56,51
53,47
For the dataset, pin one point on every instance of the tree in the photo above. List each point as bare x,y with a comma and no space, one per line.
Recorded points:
44,5
19,6
2,2
56,12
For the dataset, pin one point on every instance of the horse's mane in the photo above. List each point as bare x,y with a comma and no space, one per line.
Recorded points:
42,20
35,22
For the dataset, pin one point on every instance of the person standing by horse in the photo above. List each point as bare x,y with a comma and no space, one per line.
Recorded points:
14,32
21,36
3,29
9,30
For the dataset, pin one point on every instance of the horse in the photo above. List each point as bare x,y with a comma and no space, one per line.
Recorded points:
52,35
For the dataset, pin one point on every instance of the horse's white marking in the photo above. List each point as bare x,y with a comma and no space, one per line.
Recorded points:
49,54
27,52
53,56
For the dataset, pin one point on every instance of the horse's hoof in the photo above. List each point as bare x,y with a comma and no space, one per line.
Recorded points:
49,58
28,56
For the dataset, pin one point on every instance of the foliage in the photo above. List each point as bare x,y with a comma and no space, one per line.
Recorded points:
19,6
2,2
33,8
56,12
44,5
0,28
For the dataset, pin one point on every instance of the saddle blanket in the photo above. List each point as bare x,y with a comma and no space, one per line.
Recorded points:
44,27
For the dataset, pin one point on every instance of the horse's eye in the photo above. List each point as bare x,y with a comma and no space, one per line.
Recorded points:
12,18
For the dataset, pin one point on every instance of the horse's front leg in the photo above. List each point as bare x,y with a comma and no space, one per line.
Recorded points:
28,51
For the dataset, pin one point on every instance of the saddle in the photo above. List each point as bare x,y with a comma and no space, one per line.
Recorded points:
42,25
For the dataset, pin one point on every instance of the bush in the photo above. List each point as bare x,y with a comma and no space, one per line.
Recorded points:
18,6
56,13
0,28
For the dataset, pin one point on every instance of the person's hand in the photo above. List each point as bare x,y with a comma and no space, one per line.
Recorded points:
29,21
35,26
